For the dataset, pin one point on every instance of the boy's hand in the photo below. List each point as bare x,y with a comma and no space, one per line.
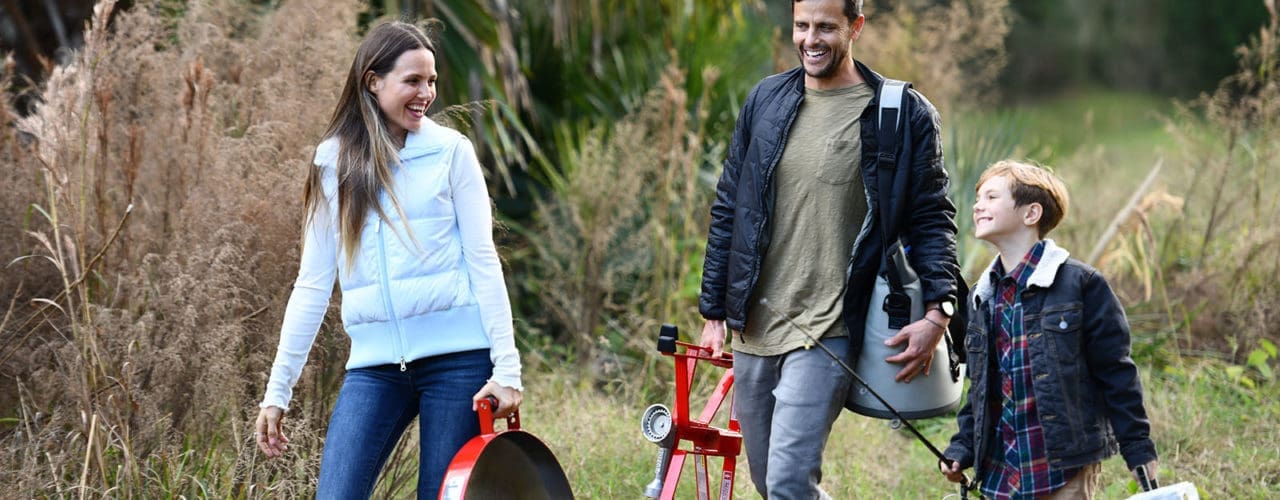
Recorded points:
922,339
952,471
1151,472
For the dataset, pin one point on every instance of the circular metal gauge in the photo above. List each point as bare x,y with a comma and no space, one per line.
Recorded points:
656,423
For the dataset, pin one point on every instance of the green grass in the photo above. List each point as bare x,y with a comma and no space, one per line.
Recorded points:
1208,429
1123,131
1097,118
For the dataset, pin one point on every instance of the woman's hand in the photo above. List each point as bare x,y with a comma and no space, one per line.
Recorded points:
269,433
508,399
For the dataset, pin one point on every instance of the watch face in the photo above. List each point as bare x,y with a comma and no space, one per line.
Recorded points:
948,308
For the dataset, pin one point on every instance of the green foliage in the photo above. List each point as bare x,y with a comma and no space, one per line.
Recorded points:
971,148
1259,360
586,61
616,259
1177,46
616,241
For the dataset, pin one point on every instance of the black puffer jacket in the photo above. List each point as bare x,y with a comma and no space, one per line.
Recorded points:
740,214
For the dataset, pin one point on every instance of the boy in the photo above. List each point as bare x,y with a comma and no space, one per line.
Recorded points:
1053,390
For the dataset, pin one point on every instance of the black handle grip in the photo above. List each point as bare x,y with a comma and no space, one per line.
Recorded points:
667,338
1145,481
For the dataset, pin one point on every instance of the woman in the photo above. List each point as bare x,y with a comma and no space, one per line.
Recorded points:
398,212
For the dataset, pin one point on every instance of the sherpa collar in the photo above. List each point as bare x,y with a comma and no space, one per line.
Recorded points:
1053,258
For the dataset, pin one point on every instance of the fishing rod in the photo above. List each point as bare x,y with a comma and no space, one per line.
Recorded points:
965,484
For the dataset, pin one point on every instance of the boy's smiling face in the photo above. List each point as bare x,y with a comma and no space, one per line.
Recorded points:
996,215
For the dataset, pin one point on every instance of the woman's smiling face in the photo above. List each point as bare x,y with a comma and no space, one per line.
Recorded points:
405,92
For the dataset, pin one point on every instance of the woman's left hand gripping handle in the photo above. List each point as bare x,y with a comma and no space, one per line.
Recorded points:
509,399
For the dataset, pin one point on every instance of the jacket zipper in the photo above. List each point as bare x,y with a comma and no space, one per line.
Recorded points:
867,222
768,185
397,342
862,233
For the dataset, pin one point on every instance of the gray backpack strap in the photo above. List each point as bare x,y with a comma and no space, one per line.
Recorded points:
891,105
889,140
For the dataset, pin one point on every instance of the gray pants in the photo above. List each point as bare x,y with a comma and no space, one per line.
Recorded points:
786,405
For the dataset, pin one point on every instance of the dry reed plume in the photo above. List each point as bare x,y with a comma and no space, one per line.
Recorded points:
163,167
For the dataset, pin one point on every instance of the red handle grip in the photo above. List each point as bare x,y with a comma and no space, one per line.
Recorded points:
485,409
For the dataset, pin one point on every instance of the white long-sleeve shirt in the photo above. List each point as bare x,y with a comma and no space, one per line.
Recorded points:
405,297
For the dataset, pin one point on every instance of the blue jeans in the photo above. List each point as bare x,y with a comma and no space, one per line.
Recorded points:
375,406
786,405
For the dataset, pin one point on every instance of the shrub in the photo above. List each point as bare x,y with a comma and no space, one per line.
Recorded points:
162,168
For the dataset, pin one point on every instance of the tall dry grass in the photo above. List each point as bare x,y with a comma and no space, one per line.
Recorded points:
1194,247
1224,251
952,51
155,224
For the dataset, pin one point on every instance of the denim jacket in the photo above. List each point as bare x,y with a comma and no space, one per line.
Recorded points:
1088,393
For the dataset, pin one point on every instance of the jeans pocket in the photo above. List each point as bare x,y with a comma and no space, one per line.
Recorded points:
840,160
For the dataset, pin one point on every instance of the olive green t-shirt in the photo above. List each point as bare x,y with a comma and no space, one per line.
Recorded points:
818,211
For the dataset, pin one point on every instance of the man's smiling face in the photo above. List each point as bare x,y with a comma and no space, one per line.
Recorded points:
822,35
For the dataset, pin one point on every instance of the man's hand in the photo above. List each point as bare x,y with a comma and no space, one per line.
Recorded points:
922,338
713,337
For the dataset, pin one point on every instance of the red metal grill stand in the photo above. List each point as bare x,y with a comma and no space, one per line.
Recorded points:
703,439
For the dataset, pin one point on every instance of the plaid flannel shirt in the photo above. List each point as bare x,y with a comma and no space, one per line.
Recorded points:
1021,469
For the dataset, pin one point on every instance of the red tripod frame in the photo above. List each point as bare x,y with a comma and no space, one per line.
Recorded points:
704,439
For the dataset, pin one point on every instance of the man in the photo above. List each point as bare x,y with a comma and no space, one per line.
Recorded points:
795,246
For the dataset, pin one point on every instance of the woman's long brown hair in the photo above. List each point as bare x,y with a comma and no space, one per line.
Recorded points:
366,150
